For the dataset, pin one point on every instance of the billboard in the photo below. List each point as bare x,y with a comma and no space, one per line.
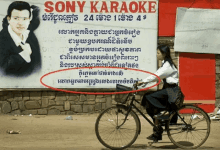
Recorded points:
76,34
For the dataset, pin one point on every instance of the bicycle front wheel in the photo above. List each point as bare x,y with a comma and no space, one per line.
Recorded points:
192,128
114,130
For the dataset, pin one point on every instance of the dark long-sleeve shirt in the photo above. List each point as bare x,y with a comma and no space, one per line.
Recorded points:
11,63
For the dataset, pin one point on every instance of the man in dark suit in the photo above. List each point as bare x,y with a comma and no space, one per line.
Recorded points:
19,47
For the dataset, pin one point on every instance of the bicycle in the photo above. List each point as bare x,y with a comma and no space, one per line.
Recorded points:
118,127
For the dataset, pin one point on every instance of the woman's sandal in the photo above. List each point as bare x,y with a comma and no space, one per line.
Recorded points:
155,137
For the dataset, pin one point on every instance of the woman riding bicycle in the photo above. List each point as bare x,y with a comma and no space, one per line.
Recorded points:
159,100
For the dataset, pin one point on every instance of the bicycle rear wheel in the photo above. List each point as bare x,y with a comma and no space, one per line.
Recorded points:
192,128
113,132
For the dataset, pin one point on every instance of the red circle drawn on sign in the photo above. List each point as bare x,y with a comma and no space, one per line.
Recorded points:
92,93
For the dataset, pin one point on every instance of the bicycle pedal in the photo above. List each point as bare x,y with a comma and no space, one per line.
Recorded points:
150,143
155,141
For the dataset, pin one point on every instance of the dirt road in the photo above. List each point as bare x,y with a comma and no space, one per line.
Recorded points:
54,132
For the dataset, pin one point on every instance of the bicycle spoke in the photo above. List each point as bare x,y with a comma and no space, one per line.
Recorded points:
199,129
176,128
198,122
114,131
109,134
194,133
107,130
128,129
124,135
198,133
194,137
177,132
193,115
107,124
109,120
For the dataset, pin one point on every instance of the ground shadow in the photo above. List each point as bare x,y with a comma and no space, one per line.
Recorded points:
154,146
146,146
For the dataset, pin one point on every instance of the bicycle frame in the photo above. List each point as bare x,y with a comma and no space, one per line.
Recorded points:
124,110
130,106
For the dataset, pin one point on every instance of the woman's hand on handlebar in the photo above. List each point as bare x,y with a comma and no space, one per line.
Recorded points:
140,83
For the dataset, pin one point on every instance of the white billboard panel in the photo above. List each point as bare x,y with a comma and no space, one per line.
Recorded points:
83,34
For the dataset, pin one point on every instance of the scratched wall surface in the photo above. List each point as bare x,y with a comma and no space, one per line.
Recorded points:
126,40
53,102
197,30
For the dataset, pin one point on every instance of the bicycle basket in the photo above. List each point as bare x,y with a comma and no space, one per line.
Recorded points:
120,87
121,98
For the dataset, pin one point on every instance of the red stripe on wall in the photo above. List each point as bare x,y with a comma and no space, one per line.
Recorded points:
197,71
197,77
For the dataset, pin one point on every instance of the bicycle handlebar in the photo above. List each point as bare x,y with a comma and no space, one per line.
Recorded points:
135,85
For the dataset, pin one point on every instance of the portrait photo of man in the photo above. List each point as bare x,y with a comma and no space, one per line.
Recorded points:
19,47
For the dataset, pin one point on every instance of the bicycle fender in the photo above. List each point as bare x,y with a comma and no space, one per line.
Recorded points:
125,107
